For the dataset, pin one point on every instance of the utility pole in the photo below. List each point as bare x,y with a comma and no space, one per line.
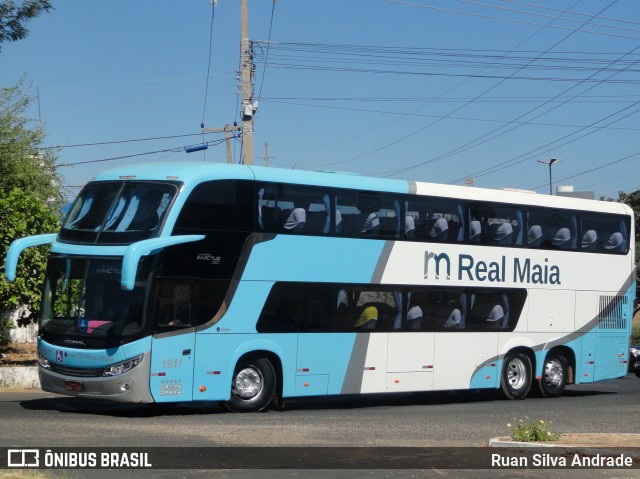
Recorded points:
249,106
266,156
227,135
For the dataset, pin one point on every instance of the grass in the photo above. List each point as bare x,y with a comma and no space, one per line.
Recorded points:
532,431
30,474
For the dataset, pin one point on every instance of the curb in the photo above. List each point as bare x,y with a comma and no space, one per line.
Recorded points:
19,377
632,451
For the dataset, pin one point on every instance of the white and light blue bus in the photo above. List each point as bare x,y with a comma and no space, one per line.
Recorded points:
206,282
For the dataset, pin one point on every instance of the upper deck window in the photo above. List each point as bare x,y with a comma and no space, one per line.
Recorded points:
118,212
220,205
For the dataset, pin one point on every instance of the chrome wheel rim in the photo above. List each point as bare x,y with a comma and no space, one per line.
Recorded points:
248,383
516,373
553,373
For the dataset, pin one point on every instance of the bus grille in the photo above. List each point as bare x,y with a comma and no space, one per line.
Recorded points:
612,312
77,372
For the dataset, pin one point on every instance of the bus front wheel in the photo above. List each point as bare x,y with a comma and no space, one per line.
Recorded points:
253,386
517,373
554,375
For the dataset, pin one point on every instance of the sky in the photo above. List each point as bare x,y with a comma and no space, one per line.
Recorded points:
444,91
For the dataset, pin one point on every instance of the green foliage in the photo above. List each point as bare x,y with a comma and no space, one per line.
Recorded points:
22,214
14,17
633,200
24,164
525,431
5,324
29,200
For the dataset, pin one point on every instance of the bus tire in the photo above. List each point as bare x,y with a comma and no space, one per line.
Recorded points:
516,377
554,375
252,386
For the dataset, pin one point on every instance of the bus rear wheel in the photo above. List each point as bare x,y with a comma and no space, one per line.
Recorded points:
252,386
554,375
516,377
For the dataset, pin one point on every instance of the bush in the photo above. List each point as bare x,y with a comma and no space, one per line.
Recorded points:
526,431
22,214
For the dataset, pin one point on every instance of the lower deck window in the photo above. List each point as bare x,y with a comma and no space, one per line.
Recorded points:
330,307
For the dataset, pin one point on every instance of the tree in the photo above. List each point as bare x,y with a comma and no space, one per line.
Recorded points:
14,17
633,200
23,163
23,214
29,200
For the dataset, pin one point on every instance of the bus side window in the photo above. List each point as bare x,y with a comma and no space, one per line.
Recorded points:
434,220
557,229
487,310
496,225
367,214
280,311
292,209
603,233
223,205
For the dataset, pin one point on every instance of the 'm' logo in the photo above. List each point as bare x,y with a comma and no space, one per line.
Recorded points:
436,260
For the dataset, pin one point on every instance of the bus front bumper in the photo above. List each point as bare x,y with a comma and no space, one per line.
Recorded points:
130,386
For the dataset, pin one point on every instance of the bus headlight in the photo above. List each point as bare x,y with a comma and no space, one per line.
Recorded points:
123,367
43,362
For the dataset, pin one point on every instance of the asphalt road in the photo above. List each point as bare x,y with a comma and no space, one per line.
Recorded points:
461,419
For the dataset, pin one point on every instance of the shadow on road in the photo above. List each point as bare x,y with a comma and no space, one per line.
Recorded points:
116,409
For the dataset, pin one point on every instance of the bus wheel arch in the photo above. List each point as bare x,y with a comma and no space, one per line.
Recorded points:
557,371
255,382
516,377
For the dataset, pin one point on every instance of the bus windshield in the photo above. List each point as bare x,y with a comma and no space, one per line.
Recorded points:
83,302
118,212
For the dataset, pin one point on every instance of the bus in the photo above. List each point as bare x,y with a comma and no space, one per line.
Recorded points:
246,285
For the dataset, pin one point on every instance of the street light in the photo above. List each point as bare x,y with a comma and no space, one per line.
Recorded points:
550,162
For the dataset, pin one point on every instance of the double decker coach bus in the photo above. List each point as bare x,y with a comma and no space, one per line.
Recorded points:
191,281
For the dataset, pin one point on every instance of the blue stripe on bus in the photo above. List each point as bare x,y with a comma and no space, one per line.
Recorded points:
599,353
94,358
295,258
193,173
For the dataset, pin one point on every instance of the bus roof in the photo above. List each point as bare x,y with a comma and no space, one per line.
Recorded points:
192,173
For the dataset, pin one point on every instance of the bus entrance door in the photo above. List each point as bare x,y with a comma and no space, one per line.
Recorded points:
171,377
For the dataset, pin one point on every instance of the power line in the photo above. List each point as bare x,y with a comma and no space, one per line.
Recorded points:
512,20
206,88
290,66
266,56
486,137
536,151
545,15
590,170
608,99
363,49
503,165
113,158
116,142
448,116
135,155
619,20
393,55
419,130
